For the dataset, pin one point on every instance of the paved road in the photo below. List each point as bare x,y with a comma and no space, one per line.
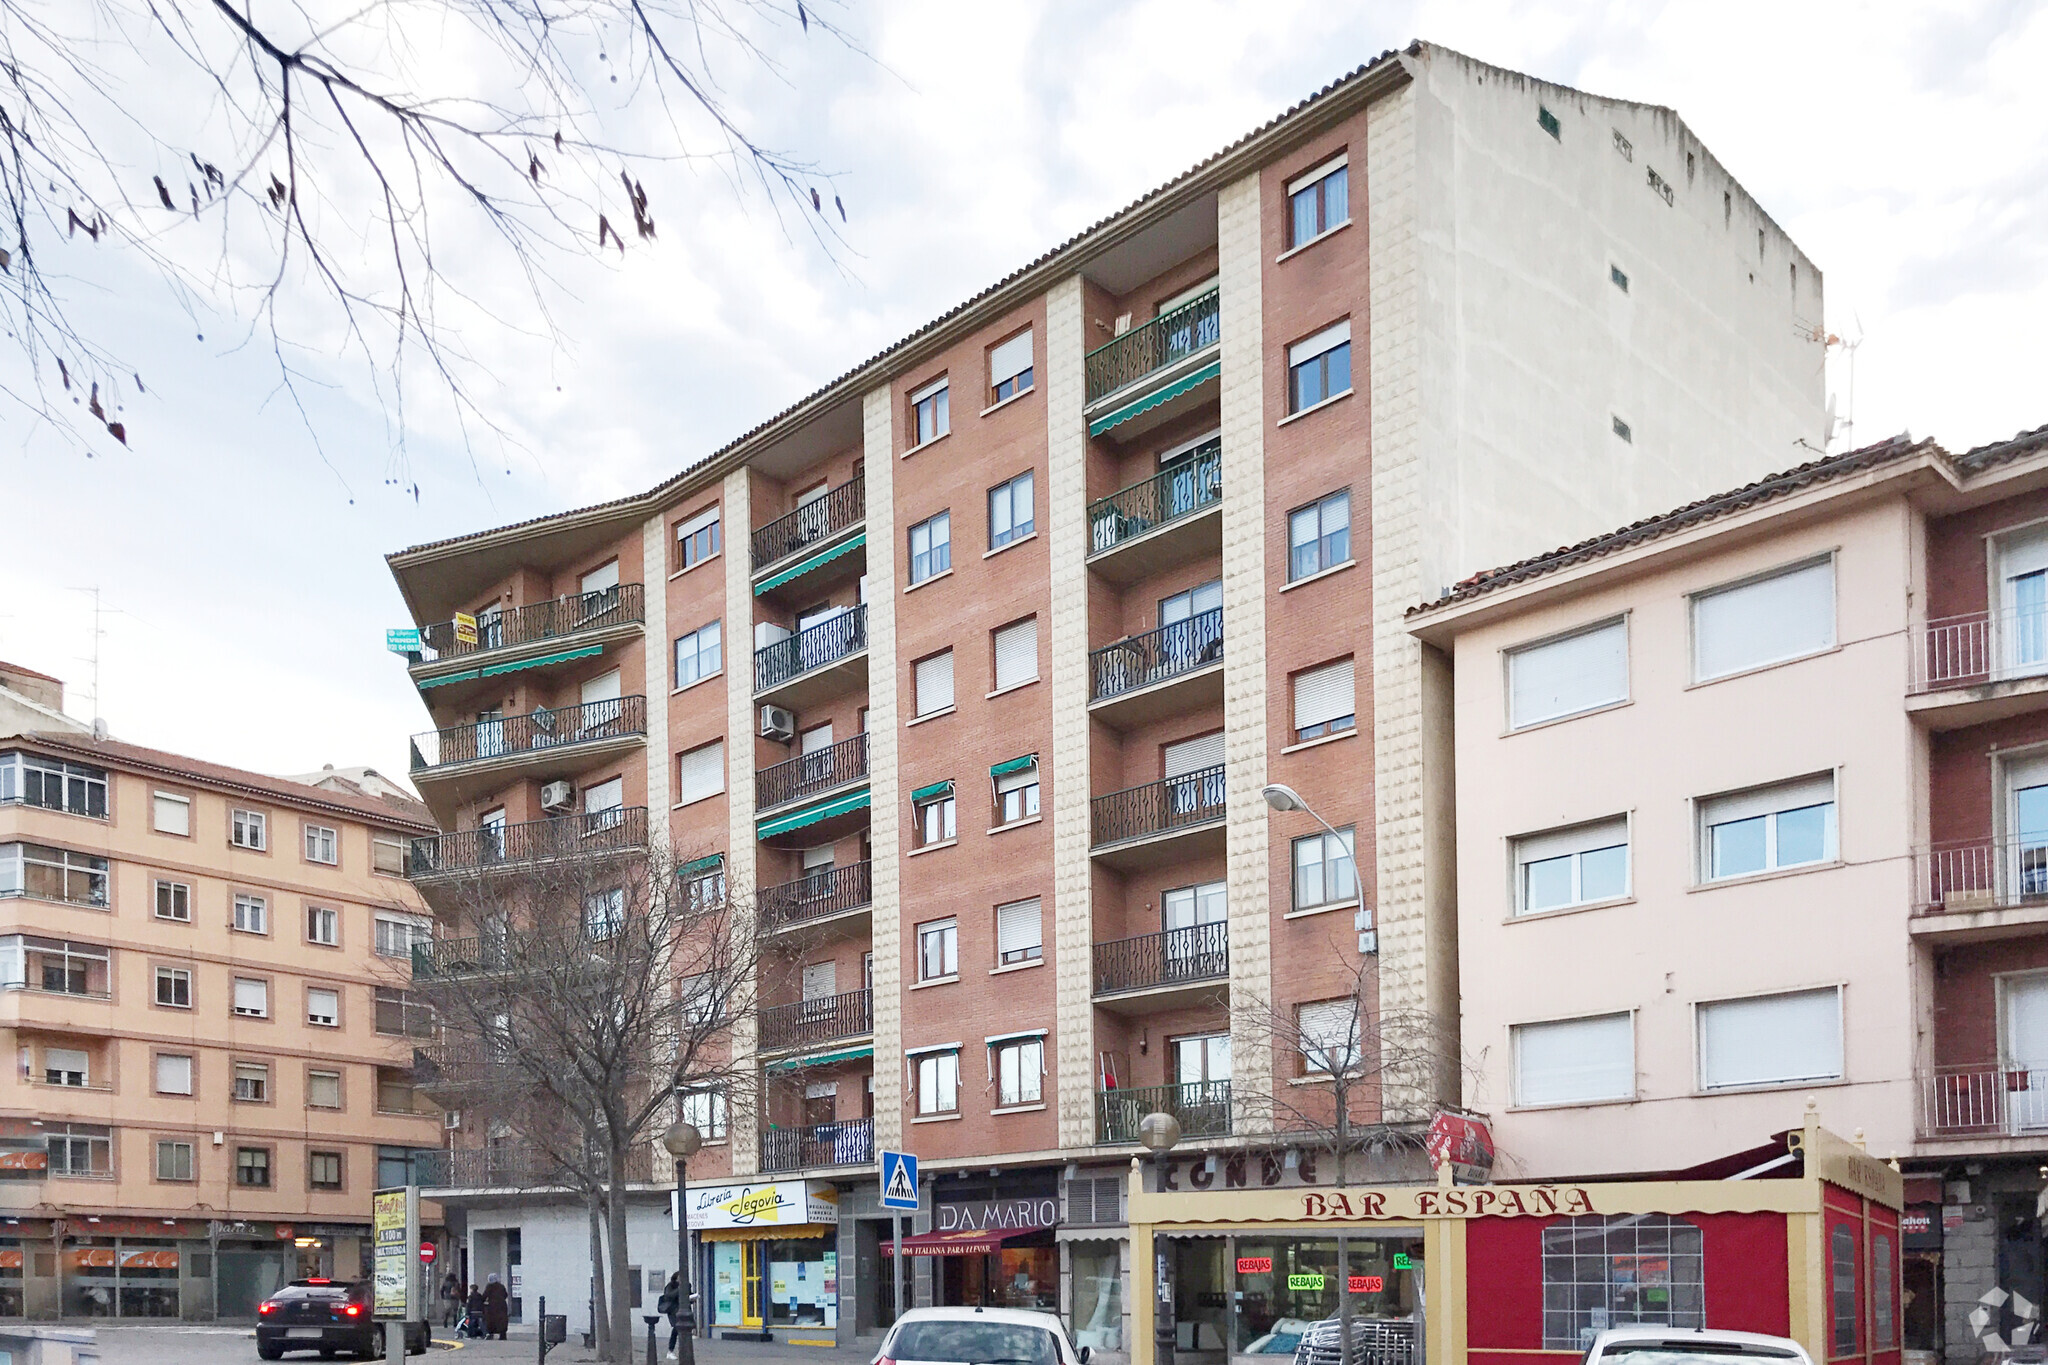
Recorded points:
209,1344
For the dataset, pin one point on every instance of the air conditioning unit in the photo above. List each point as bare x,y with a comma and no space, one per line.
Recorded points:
778,722
452,1119
557,796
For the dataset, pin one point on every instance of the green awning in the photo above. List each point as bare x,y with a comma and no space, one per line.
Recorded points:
696,865
818,560
1013,765
934,790
811,815
846,1054
1154,399
472,674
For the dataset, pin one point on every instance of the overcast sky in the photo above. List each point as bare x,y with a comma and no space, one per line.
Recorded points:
1904,146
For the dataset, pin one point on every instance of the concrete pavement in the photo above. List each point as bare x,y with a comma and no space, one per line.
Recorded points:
196,1343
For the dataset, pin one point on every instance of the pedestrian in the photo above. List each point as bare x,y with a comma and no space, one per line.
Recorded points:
451,1299
474,1323
497,1308
670,1306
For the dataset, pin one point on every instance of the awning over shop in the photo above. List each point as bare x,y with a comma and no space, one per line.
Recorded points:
811,815
768,1232
960,1242
816,561
847,1054
1153,400
472,674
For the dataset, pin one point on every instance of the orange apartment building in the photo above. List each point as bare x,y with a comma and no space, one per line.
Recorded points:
967,671
202,976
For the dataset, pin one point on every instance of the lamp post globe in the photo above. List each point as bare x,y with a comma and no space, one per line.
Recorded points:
1158,1133
683,1141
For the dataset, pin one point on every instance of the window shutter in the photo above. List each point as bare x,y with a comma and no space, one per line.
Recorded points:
251,995
603,688
935,683
1017,928
67,1059
1328,1034
1017,653
1812,791
1329,339
1307,178
820,980
1193,755
1323,694
1010,359
1771,1038
323,1005
1564,677
174,1075
1578,839
1575,1060
173,814
606,795
1780,617
697,523
701,772
602,579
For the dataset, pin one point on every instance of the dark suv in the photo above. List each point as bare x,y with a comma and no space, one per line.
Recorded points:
328,1316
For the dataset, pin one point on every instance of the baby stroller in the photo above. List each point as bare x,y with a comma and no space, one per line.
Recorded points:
472,1324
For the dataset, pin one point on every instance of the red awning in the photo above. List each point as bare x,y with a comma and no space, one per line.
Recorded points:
960,1242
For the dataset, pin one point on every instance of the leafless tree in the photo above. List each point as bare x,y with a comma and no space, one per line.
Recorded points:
576,998
1350,1079
354,176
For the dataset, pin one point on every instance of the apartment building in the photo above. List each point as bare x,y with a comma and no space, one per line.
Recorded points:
967,671
1749,817
202,974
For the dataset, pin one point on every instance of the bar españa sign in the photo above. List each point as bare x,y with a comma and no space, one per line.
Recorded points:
393,1263
1480,1201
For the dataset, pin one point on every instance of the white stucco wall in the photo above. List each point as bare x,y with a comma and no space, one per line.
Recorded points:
1675,942
554,1248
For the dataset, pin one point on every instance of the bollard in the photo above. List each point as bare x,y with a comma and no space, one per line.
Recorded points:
652,1318
543,1333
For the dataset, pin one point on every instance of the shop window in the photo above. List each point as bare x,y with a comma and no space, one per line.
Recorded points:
1842,1312
1883,1274
129,1277
1285,1285
1601,1272
1098,1297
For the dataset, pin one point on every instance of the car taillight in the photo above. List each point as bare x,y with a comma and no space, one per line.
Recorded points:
354,1310
264,1308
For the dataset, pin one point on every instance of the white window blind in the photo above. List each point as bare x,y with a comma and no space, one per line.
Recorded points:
173,814
935,683
252,996
1326,340
1566,676
605,796
1771,1039
323,1007
1808,791
1575,1061
173,1074
1572,866
1017,653
1194,755
71,1062
928,390
1781,617
697,523
1323,694
1328,1035
603,577
701,772
323,1090
604,687
1018,934
1307,178
820,980
1010,359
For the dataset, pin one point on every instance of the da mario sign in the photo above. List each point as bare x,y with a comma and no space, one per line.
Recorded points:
770,1204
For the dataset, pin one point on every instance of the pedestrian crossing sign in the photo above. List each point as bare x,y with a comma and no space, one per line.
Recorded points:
899,1180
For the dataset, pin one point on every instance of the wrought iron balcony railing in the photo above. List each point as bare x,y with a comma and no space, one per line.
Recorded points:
1982,874
1177,957
1157,655
512,1166
825,643
1203,1108
835,765
819,519
1983,1101
1152,346
846,1142
822,894
509,847
811,1023
538,732
1176,803
564,616
1185,486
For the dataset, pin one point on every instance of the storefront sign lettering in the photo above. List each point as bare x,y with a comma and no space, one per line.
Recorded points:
1240,1171
1368,1284
1456,1202
1401,1261
1914,1221
768,1204
1255,1265
981,1214
1309,1282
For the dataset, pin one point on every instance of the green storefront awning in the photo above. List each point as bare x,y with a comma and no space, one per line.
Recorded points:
811,815
1014,765
472,674
849,1054
818,560
697,865
1154,399
936,789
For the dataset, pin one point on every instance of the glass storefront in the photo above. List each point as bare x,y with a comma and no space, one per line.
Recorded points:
775,1284
11,1305
1013,1277
1098,1296
128,1277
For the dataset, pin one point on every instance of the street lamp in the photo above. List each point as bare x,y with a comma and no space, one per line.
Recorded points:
683,1140
1284,799
1157,1134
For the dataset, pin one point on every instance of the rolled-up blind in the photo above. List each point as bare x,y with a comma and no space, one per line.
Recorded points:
1323,694
1010,359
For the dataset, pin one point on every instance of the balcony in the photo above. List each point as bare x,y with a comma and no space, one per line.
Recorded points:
822,896
1203,1108
1979,667
451,1065
511,1166
535,636
810,664
506,849
1160,821
454,958
1981,889
813,774
1982,1102
543,739
1153,372
1162,971
846,1142
1171,518
1172,670
814,1023
811,528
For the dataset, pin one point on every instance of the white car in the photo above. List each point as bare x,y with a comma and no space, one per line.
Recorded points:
979,1336
1647,1345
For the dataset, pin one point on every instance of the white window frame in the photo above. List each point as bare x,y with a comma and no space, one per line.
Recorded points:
938,394
1510,656
1346,837
1574,842
1021,1059
315,1017
932,526
251,913
381,839
249,829
1769,801
418,929
1516,1034
177,1147
937,1069
1317,1047
1022,953
705,1108
235,996
325,916
1729,591
175,976
700,648
323,839
251,1083
948,930
179,807
181,899
1007,490
1702,1009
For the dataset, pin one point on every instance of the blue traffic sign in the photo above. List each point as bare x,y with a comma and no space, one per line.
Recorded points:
899,1180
